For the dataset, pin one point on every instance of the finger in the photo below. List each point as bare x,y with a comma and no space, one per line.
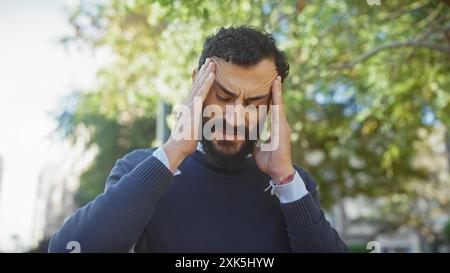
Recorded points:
210,68
206,87
277,111
200,72
276,92
205,74
277,98
204,65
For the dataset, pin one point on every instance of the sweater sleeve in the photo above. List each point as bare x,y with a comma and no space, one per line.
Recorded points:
308,230
115,219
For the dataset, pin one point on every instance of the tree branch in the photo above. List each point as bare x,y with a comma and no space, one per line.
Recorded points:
394,45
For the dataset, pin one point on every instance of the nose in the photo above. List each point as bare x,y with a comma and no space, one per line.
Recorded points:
235,114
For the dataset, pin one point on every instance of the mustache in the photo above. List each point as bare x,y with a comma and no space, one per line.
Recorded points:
226,127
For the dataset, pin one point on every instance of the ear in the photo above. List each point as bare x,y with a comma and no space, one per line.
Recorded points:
194,74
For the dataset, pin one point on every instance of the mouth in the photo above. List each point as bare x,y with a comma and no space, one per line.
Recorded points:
231,134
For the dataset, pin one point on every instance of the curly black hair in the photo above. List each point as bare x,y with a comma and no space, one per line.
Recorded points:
244,46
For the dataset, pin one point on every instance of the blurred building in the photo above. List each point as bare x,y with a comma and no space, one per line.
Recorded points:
58,182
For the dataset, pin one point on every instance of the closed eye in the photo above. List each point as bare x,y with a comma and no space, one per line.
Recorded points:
223,94
221,97
258,97
258,100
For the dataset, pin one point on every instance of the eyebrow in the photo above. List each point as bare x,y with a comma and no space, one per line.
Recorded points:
226,91
232,94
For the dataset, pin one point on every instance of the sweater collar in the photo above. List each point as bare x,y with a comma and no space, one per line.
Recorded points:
200,149
247,164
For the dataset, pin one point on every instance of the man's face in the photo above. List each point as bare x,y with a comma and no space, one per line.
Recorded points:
235,88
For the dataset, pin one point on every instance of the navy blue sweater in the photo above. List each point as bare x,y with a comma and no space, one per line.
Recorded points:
204,209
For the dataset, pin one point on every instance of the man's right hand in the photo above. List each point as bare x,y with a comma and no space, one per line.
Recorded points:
175,148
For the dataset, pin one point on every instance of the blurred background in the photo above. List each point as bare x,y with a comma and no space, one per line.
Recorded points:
368,99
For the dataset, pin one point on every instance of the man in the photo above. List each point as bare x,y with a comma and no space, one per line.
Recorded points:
207,194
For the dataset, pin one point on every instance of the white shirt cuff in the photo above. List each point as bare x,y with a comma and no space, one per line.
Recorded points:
161,155
289,192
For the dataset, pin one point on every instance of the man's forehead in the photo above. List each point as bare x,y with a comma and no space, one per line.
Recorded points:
253,80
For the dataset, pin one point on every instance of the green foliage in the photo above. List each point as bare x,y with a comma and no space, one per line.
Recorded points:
447,231
363,80
358,248
109,132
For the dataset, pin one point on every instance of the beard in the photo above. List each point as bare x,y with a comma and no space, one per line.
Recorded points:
227,154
